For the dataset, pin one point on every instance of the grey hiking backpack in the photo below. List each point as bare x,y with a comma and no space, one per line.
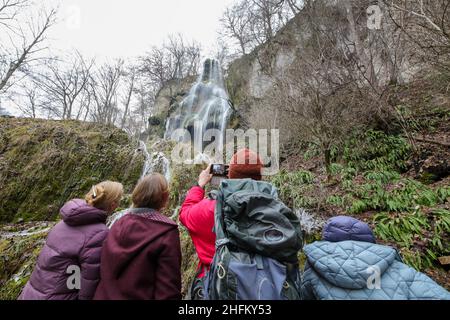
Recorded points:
258,240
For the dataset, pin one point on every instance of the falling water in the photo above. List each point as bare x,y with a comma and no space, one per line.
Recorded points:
207,106
147,163
310,222
154,163
36,228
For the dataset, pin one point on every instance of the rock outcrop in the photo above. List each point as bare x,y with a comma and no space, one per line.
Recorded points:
45,163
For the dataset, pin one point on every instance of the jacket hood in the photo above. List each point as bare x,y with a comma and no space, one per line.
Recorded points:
133,233
78,213
343,228
349,264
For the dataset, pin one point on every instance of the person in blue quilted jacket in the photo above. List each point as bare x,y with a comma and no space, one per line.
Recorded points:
349,265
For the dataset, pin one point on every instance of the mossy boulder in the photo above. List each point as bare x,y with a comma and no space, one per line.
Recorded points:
45,163
189,261
19,248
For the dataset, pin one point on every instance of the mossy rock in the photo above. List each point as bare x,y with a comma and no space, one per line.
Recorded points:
189,262
45,163
183,178
18,257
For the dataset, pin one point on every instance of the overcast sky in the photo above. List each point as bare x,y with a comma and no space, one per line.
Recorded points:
127,28
109,29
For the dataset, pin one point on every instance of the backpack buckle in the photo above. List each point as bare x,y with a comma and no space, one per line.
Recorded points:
259,262
222,242
221,273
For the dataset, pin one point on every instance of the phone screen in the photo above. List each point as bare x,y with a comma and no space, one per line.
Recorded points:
220,170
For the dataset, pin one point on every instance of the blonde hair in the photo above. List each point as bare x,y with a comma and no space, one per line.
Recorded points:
104,194
151,192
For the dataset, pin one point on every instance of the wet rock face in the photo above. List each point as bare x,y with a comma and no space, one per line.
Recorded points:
20,246
310,222
432,163
208,66
154,121
434,170
43,164
171,95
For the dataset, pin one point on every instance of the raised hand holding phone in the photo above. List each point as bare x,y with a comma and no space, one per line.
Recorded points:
205,177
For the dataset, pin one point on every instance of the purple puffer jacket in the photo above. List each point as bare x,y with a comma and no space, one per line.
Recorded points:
75,241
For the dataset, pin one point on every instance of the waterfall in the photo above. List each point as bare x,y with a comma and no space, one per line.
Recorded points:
147,163
156,162
309,222
207,106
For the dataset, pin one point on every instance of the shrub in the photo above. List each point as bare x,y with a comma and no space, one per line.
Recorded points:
377,151
296,188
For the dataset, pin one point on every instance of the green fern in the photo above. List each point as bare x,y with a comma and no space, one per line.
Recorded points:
375,150
296,188
406,229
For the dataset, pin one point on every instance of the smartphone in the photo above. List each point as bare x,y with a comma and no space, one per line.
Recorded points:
220,170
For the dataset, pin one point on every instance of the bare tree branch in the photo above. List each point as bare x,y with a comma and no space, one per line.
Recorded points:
21,55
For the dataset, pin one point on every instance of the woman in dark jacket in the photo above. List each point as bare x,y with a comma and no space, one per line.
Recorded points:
68,267
141,257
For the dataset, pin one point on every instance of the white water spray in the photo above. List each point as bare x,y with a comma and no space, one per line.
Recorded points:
207,106
310,222
155,162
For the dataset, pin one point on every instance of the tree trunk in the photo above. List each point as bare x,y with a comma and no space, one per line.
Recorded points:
364,60
327,158
127,103
242,47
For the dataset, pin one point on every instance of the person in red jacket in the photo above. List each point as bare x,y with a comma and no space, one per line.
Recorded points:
197,212
141,257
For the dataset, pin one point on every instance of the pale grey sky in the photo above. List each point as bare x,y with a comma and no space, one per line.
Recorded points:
127,28
109,29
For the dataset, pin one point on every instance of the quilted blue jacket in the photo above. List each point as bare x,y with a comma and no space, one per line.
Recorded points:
356,270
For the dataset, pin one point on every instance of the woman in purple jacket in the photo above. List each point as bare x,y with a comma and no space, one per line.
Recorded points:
68,267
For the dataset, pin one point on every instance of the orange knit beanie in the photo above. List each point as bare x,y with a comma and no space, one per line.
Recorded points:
245,164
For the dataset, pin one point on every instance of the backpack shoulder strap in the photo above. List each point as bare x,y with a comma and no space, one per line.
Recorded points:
219,224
